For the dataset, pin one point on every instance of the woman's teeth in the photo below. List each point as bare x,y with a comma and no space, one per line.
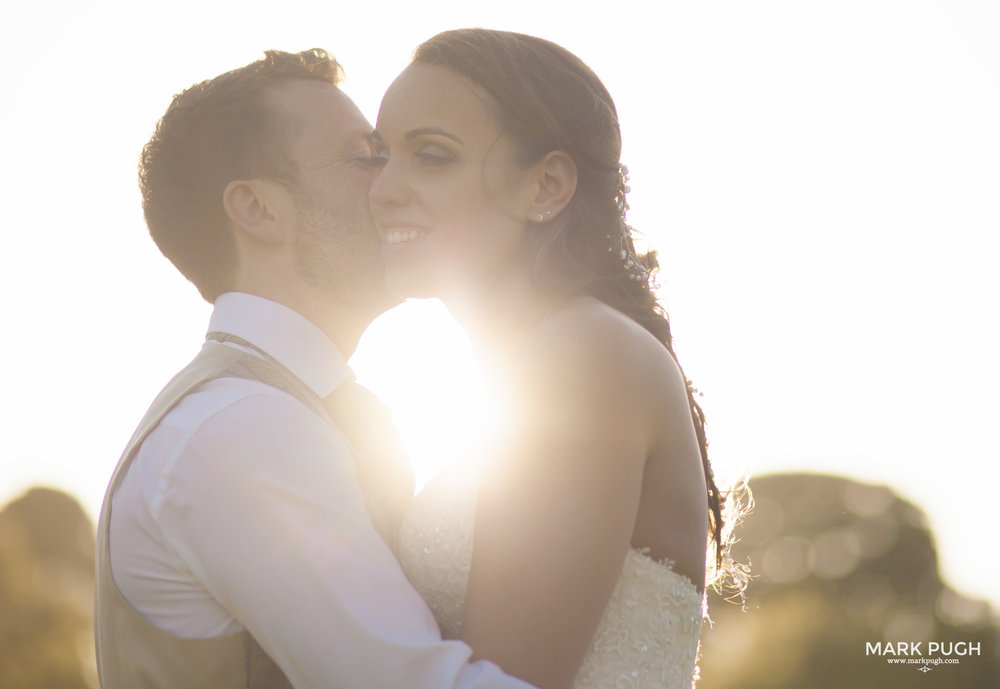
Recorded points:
401,237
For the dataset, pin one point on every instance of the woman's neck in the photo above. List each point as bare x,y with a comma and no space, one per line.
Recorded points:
500,319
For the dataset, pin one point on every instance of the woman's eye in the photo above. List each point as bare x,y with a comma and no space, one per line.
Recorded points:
434,155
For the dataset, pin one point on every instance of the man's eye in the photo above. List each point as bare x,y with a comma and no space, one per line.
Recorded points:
376,161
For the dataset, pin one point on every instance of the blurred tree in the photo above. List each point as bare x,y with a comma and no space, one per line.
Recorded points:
46,593
838,564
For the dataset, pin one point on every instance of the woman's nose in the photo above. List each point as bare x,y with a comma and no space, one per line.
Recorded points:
388,188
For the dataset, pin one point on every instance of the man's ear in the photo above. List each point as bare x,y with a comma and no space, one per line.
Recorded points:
556,185
258,209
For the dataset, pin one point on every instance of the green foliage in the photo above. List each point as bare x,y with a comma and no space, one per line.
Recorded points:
838,564
46,593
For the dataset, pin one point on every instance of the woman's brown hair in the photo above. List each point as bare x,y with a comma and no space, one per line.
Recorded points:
547,99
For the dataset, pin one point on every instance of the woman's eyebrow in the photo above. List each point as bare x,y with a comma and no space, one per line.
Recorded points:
420,131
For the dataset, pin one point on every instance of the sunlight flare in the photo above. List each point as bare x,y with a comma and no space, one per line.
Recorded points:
419,361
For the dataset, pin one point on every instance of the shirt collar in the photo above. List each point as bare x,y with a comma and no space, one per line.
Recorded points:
285,334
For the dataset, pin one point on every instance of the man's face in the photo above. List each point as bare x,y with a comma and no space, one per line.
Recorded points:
336,247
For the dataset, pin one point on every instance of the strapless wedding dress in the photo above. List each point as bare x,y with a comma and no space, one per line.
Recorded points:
647,638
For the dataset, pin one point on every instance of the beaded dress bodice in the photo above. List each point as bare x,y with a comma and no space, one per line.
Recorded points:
647,637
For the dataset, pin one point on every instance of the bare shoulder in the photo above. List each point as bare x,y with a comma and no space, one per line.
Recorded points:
591,349
589,332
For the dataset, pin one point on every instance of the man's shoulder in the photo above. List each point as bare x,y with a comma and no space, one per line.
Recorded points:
233,409
227,400
231,423
233,434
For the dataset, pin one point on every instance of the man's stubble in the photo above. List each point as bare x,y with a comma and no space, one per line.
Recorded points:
337,253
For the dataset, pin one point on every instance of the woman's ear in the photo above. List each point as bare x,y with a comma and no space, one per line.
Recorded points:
556,186
255,208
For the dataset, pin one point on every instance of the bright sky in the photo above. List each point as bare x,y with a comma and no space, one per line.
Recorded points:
821,180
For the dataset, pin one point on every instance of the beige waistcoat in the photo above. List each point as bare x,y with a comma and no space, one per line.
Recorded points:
135,654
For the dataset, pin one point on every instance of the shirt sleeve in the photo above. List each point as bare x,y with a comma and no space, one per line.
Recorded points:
264,506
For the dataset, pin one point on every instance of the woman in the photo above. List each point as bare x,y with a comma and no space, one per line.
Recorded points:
502,194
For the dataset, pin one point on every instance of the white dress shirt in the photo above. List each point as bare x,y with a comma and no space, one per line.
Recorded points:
242,510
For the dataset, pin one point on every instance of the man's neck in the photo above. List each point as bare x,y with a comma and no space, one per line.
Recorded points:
342,321
343,326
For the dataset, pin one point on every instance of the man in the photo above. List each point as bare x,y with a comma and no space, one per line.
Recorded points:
234,547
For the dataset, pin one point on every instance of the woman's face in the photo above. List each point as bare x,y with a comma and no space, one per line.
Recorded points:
450,204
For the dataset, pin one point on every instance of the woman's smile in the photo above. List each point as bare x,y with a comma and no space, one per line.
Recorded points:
402,235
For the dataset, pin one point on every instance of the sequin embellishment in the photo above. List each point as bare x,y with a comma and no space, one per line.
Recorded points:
647,638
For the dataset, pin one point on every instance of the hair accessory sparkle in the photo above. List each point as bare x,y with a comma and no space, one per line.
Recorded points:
626,249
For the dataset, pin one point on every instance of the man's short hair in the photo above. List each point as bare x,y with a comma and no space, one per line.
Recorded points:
215,132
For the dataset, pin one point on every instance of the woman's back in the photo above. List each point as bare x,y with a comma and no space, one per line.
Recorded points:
671,523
